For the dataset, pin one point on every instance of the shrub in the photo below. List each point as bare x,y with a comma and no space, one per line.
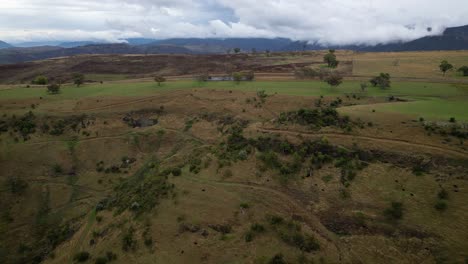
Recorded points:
78,79
16,185
176,171
128,242
53,88
443,194
40,80
57,169
277,259
101,260
81,256
383,81
441,205
463,70
257,228
334,79
111,256
249,236
244,206
275,220
237,77
395,212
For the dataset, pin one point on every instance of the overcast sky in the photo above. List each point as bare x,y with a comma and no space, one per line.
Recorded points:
324,21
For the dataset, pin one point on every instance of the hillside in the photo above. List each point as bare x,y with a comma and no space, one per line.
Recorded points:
451,39
4,45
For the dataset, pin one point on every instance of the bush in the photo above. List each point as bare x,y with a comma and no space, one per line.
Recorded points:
257,228
334,79
277,259
249,236
40,80
128,242
101,260
383,81
78,79
440,205
395,212
16,185
464,70
53,88
275,220
176,171
443,194
81,256
111,256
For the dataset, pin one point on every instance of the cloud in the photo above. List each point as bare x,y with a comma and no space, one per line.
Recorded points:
322,21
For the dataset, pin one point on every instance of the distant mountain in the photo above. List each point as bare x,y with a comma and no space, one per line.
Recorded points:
212,45
74,44
17,55
140,41
4,45
452,39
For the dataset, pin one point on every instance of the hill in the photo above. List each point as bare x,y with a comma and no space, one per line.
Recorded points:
4,45
452,39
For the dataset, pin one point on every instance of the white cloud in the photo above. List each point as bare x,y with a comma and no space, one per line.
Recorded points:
324,21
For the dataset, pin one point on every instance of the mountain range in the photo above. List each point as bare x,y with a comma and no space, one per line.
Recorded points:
455,38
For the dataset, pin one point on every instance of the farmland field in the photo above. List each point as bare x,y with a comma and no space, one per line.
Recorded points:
123,170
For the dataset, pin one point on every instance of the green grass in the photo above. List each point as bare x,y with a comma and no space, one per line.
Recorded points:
431,108
431,100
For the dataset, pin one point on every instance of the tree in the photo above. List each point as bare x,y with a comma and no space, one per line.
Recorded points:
267,52
41,80
53,88
248,75
78,79
463,70
334,79
445,66
330,59
363,86
237,50
159,79
383,81
237,77
202,78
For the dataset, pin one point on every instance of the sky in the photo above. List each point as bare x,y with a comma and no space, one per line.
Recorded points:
336,22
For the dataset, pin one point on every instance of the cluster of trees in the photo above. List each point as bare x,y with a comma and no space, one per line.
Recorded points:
382,81
54,87
445,66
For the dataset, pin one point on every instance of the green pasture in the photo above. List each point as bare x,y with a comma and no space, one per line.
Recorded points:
431,100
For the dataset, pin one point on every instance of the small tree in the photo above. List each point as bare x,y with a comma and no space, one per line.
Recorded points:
53,88
41,80
237,77
237,50
383,80
445,66
78,79
267,52
363,86
463,70
248,75
159,79
330,59
202,78
334,79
